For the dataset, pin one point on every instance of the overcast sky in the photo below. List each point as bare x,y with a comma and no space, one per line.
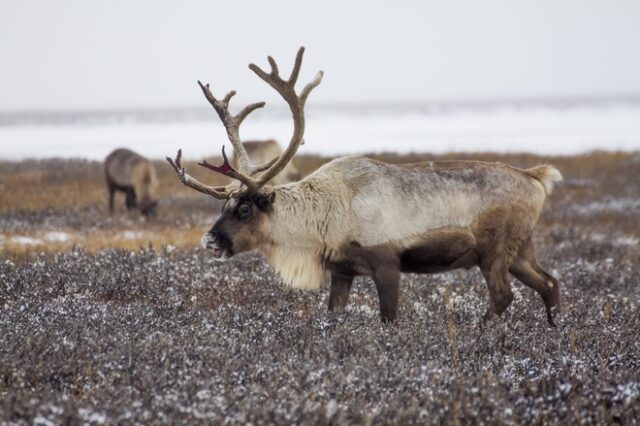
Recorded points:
81,54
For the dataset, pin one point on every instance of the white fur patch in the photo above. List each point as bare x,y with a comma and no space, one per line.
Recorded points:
297,267
407,215
398,205
552,175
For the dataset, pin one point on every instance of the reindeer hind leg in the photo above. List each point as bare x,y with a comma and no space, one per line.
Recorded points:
526,269
500,295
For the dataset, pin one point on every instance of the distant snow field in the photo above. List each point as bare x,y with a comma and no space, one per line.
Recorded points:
62,237
49,237
551,130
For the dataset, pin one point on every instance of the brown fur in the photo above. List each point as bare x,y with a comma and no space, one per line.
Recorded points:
133,174
498,243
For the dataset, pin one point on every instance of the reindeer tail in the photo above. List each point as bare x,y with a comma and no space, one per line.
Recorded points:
547,175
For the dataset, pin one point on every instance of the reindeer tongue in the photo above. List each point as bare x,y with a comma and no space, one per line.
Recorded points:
217,252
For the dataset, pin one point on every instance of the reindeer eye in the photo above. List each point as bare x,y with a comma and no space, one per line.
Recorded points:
244,211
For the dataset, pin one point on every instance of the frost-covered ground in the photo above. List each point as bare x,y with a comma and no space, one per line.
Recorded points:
173,337
94,334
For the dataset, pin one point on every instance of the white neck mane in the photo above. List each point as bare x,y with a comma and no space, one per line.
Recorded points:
299,233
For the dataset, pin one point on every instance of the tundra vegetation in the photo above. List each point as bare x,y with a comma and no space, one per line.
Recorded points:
110,318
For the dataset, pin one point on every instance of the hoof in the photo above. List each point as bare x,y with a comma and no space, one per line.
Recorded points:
551,314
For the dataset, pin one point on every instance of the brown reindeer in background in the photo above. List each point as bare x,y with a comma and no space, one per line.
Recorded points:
264,151
357,216
134,175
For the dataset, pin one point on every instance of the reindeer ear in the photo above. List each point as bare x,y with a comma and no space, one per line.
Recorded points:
265,201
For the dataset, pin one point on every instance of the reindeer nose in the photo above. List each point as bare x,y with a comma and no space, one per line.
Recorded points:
215,235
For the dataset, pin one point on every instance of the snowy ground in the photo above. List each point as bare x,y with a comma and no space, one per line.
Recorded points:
159,337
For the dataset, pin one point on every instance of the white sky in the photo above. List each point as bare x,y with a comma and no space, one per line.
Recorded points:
76,54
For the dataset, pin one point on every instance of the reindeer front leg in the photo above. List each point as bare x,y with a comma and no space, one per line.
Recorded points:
387,280
340,288
130,201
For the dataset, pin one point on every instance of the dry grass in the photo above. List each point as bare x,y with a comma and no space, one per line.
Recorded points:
13,245
601,194
40,184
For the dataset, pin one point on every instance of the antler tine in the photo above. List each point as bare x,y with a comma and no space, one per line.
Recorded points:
264,166
226,169
189,181
309,87
246,111
232,125
293,78
296,104
228,97
274,66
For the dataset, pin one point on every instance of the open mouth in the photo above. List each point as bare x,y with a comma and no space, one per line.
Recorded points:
219,246
217,252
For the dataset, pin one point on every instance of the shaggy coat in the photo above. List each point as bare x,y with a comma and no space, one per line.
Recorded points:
358,216
134,175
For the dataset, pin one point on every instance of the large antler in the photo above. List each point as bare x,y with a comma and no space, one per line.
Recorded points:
232,125
296,104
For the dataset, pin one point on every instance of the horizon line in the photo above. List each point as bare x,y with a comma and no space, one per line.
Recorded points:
470,102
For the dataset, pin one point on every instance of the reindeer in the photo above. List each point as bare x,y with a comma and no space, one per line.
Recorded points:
134,175
358,216
263,151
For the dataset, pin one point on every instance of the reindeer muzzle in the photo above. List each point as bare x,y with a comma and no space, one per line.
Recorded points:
218,244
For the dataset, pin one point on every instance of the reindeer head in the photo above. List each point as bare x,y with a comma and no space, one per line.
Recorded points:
244,222
149,208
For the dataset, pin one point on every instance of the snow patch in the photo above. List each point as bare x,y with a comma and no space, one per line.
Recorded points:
52,237
91,416
365,309
620,240
626,240
132,235
57,237
628,392
27,241
39,420
611,205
